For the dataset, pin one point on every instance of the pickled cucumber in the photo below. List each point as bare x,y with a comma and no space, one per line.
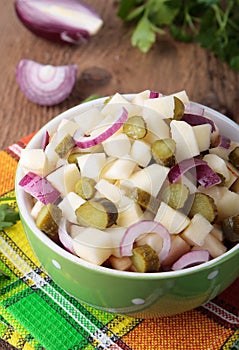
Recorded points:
48,220
178,109
145,259
85,187
163,151
203,204
98,213
230,227
135,127
175,195
65,146
145,200
234,157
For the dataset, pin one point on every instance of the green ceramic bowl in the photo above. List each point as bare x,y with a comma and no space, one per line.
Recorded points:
136,294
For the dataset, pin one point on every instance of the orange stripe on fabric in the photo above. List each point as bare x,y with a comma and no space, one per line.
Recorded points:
190,330
8,167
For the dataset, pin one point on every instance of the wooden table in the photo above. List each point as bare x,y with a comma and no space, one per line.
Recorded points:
106,64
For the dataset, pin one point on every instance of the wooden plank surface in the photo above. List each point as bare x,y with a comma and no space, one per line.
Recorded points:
106,64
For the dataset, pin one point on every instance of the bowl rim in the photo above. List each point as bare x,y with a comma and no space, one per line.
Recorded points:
21,196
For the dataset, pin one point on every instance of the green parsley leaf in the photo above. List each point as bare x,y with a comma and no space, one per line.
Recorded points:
144,35
8,216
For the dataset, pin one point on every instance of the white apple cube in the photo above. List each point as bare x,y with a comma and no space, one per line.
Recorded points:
117,145
203,135
141,153
130,214
88,120
109,191
64,178
69,204
93,245
150,179
174,221
197,230
34,160
186,142
217,164
90,165
212,245
120,168
117,102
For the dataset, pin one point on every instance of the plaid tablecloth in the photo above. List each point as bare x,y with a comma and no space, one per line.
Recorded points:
30,318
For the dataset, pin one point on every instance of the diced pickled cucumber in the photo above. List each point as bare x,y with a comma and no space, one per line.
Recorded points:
175,195
204,204
145,200
145,259
72,158
48,220
234,157
85,187
65,146
99,214
178,108
163,151
135,127
230,227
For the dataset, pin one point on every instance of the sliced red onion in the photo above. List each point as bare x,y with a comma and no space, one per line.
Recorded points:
194,109
204,174
192,258
64,237
141,227
45,84
224,142
67,21
83,141
39,188
153,94
195,119
45,140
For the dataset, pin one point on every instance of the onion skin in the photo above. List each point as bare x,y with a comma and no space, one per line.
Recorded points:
56,20
45,84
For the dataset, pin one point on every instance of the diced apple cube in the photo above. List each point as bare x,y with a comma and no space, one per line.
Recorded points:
36,209
217,164
150,179
91,164
117,145
117,234
34,160
217,233
88,120
69,204
212,245
64,178
93,245
157,128
141,153
233,177
67,127
174,221
141,97
120,168
130,214
197,231
109,191
152,239
186,142
203,135
121,263
178,247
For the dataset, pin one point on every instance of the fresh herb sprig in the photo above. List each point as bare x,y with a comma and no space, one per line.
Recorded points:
8,216
214,24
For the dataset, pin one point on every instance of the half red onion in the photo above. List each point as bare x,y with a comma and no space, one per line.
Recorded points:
67,21
46,85
204,174
142,227
192,258
64,237
83,141
39,188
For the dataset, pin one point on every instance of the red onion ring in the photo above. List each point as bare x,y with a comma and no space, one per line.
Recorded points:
139,228
83,141
194,257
